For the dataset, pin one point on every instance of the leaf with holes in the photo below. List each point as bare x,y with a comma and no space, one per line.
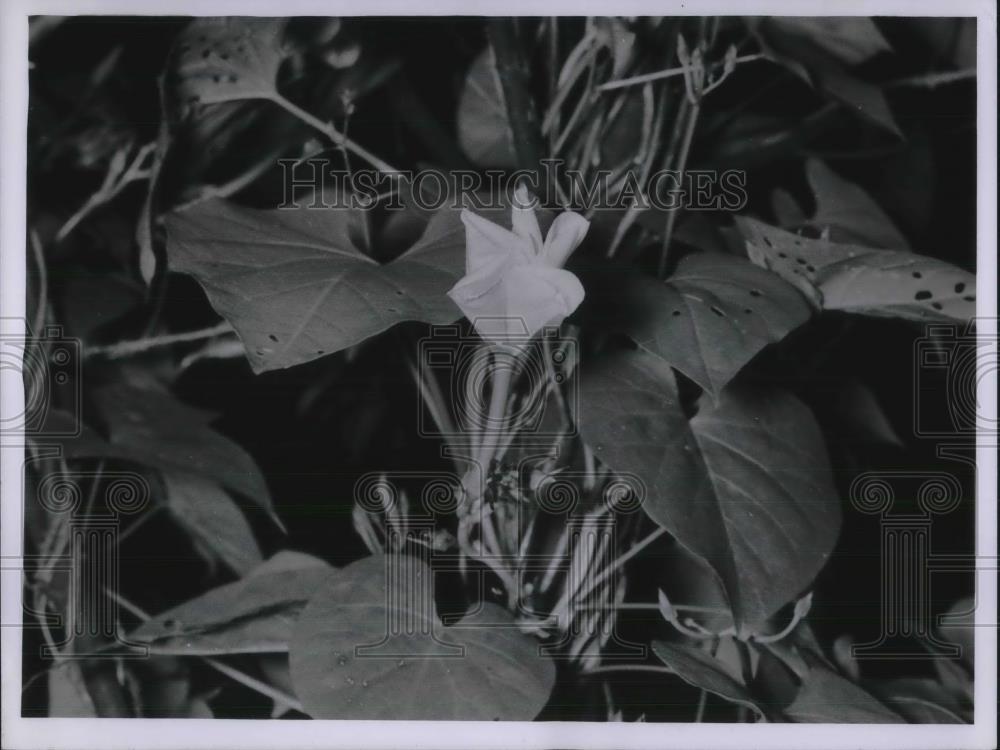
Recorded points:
848,212
252,615
700,670
295,286
226,59
212,518
746,485
827,698
371,646
483,130
709,319
882,283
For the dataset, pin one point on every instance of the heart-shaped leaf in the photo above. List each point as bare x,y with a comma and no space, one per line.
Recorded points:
349,660
252,615
708,320
483,129
848,212
746,486
212,517
225,59
294,285
884,283
699,669
827,698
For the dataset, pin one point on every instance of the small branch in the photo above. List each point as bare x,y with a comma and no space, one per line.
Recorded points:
41,308
931,80
116,180
333,134
699,715
138,346
669,73
234,674
620,561
668,232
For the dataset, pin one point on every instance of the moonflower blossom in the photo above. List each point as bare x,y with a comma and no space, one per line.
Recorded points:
514,283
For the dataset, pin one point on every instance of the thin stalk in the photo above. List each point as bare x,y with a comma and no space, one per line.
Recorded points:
681,164
668,73
699,714
620,561
333,134
931,80
234,674
138,346
41,308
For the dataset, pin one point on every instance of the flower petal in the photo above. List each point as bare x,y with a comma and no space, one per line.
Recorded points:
538,296
486,243
523,219
565,235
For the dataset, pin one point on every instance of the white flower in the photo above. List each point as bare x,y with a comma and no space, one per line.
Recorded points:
514,284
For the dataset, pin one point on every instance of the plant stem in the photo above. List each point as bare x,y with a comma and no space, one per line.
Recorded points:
699,715
661,74
41,308
668,233
138,346
931,80
620,561
333,134
234,674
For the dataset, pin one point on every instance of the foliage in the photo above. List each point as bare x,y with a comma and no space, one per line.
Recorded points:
261,367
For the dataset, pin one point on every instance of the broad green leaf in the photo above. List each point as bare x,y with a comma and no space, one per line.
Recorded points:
746,485
851,39
252,615
700,670
883,283
152,428
212,517
848,212
294,285
482,668
827,698
821,51
708,320
68,695
225,59
483,130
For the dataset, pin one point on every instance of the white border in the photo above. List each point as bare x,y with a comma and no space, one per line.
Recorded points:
106,734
